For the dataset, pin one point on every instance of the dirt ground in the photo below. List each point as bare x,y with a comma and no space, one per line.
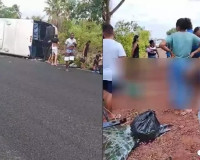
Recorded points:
182,142
162,53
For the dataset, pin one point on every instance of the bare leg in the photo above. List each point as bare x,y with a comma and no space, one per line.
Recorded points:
52,59
108,100
67,66
55,59
49,60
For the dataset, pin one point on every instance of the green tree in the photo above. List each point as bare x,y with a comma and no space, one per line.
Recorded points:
143,43
55,12
37,18
124,33
89,10
173,30
83,31
106,10
9,12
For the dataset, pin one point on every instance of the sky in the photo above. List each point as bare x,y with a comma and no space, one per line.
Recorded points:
157,16
28,7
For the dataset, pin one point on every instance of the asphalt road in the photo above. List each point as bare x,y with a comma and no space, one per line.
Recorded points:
47,113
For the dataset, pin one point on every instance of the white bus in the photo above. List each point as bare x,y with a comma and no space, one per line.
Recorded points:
24,37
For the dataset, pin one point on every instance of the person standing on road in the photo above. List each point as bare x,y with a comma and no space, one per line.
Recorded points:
112,50
86,49
181,42
55,42
70,45
152,50
135,47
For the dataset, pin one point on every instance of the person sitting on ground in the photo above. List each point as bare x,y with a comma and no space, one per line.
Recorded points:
100,65
112,50
96,64
55,42
152,50
135,47
181,42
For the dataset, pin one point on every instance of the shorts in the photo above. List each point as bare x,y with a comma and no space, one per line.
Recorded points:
55,50
151,56
107,85
69,58
69,55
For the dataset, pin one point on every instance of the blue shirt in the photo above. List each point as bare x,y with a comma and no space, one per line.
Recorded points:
181,43
190,30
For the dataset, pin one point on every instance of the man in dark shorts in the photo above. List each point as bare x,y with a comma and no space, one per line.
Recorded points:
112,50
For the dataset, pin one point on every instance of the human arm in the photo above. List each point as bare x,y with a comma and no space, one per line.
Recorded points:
75,43
133,48
121,51
157,53
196,42
195,52
84,49
163,45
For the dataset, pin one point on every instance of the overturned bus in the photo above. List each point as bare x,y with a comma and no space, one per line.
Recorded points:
26,38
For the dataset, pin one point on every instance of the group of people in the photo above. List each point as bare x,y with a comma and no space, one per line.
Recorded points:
69,52
70,45
151,49
98,59
185,43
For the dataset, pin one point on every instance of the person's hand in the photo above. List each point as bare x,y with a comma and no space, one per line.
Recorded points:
172,55
192,54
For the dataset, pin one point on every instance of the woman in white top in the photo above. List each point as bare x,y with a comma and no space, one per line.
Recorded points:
152,50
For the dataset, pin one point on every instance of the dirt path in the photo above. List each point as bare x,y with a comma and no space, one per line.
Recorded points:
183,141
162,53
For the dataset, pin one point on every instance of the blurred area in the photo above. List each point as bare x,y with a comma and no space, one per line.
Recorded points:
157,84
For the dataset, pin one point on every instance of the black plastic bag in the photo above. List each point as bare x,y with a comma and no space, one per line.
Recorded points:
146,127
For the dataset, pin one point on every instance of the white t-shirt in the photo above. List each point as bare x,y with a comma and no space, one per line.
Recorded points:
111,51
70,42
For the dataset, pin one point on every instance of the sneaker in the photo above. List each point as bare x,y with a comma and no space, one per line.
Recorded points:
67,70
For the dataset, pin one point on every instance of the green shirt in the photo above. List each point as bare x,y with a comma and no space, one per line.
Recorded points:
182,43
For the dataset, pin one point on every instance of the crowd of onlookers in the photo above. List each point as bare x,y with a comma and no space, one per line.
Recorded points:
184,43
70,53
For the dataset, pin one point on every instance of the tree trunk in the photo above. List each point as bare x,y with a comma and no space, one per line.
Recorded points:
107,13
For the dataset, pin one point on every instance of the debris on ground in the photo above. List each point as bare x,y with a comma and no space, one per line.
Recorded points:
181,143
